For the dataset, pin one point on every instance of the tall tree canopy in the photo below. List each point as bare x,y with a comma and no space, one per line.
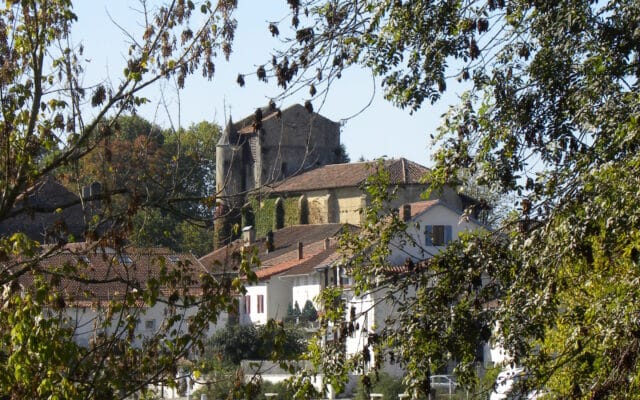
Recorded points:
51,124
550,114
170,174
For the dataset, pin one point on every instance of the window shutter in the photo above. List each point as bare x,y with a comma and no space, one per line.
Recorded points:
447,233
428,235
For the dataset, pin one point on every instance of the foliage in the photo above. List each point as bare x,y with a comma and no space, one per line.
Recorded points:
386,385
309,312
264,212
250,342
550,116
280,388
292,211
50,125
170,174
293,313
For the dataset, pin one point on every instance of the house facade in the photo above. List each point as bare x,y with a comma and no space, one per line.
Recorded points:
296,263
107,276
431,226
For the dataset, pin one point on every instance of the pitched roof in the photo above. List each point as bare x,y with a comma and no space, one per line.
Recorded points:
245,125
419,207
401,171
285,254
290,264
104,273
311,264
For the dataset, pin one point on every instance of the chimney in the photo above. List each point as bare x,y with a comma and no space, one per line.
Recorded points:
404,170
300,253
327,243
248,235
406,212
269,242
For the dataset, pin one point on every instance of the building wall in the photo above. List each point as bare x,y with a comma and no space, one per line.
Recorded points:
277,296
86,320
306,288
438,214
296,142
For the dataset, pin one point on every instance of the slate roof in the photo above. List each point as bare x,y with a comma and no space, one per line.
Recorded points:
401,171
104,273
285,254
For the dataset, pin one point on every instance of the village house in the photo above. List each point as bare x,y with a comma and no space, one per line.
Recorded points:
106,276
431,226
295,264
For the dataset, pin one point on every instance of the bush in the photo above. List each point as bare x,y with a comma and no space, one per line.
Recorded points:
387,385
309,313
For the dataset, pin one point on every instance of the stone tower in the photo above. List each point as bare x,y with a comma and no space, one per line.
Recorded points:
267,147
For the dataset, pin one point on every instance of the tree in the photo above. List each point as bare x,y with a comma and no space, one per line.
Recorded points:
50,123
172,175
550,115
309,312
228,347
250,342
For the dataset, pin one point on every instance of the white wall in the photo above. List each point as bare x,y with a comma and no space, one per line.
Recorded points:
438,214
277,296
86,319
305,288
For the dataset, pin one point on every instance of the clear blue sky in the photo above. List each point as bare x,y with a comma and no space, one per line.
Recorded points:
379,130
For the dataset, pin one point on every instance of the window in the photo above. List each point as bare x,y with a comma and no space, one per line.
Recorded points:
437,235
173,258
125,259
150,324
247,304
260,304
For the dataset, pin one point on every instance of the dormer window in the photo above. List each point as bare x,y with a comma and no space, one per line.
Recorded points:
84,259
173,258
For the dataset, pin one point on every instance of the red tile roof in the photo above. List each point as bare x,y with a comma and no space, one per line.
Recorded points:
401,171
103,273
227,258
285,256
421,206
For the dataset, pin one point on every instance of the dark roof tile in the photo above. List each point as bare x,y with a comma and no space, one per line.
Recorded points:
401,171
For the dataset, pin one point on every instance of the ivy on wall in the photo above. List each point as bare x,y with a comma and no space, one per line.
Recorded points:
264,214
291,211
269,214
304,210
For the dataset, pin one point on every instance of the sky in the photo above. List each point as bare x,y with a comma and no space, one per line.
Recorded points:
373,131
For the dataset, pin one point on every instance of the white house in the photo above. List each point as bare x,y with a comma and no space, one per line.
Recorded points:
107,275
294,267
431,225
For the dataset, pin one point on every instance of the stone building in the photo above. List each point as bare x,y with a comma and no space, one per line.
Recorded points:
277,169
270,146
265,148
334,194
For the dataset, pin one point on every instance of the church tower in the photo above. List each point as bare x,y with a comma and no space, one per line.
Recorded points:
264,148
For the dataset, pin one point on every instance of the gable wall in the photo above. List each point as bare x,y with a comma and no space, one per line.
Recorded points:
436,215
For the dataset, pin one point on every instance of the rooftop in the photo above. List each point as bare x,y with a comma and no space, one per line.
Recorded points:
285,253
401,171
